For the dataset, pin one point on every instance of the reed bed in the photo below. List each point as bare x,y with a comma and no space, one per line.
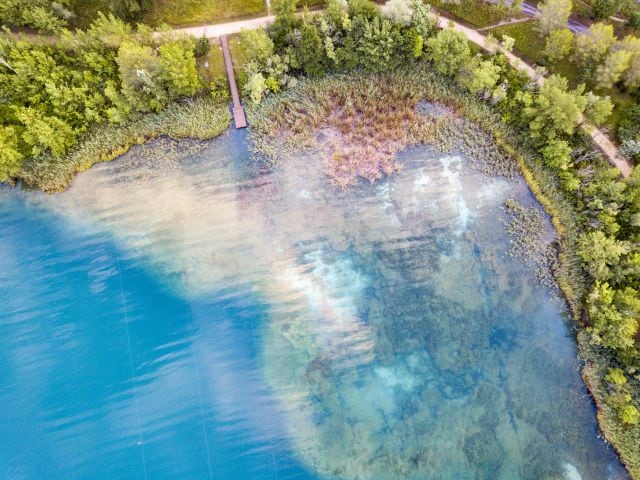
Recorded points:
200,118
360,124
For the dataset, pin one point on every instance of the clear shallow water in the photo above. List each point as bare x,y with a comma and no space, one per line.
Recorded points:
191,315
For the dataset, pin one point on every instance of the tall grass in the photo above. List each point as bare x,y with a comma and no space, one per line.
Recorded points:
360,123
200,118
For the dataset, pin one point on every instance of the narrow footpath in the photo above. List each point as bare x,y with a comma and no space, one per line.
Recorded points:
605,144
239,117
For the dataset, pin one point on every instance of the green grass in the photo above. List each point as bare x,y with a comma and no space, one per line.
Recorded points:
195,12
529,43
479,14
215,62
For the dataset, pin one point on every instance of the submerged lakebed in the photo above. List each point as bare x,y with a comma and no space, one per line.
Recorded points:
186,312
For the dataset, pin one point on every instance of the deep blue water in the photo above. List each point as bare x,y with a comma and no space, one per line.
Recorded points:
184,314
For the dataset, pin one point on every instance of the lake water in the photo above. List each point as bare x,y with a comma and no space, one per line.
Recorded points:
186,313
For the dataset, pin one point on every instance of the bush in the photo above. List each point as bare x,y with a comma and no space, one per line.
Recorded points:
603,9
629,415
634,20
202,47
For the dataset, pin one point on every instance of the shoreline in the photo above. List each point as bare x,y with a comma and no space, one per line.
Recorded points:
200,118
204,119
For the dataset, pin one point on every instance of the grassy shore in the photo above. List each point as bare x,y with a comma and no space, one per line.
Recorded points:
200,118
295,118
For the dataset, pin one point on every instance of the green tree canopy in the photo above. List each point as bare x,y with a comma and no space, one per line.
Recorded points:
553,14
178,68
556,110
558,44
591,46
601,254
139,69
449,50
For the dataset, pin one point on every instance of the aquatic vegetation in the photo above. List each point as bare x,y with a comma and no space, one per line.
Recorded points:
361,123
200,118
531,240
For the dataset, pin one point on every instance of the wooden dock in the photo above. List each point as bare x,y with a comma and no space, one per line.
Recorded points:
239,117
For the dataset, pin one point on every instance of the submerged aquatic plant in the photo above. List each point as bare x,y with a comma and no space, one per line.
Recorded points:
530,240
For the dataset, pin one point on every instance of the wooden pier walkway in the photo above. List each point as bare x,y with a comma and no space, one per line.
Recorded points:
239,117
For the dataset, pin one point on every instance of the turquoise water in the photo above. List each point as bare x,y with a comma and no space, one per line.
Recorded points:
184,313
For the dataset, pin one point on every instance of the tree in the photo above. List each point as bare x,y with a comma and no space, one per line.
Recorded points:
255,87
44,19
507,43
591,46
424,20
45,134
10,156
178,68
557,154
479,76
139,70
377,44
129,10
449,50
631,76
603,9
286,20
362,8
553,14
310,52
43,15
256,46
601,254
629,415
610,72
336,12
399,12
558,44
611,327
413,43
598,109
629,127
555,110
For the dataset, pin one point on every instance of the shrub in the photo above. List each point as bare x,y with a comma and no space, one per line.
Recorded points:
603,9
616,376
202,47
629,415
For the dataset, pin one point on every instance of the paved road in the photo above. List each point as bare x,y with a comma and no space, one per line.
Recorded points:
606,145
531,10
